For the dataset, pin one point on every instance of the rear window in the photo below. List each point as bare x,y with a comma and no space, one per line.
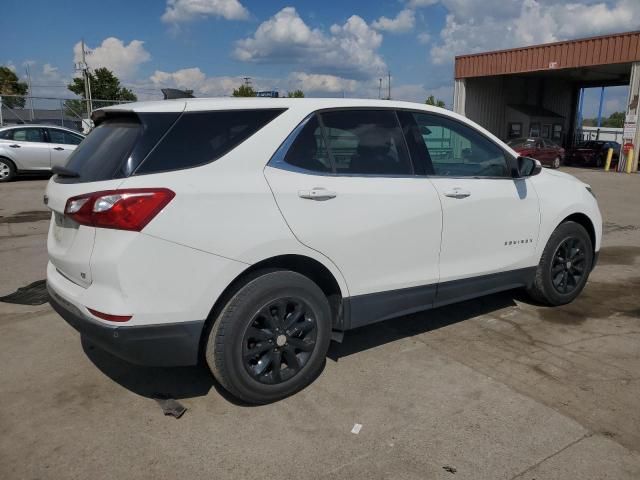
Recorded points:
203,137
127,144
116,147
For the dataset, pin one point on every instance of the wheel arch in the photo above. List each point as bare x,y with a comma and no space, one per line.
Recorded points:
10,160
585,221
304,265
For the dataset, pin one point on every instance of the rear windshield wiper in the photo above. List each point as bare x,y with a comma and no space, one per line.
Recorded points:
64,172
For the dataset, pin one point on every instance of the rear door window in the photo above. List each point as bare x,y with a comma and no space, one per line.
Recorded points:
203,137
63,137
309,151
368,142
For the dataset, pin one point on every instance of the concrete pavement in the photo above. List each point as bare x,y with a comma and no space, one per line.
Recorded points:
493,388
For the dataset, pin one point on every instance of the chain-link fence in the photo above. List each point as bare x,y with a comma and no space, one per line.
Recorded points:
65,112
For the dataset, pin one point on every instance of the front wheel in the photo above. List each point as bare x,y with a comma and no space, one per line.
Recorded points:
271,338
556,162
7,170
564,266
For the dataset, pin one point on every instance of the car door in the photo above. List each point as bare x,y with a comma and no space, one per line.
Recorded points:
61,144
490,219
28,148
347,188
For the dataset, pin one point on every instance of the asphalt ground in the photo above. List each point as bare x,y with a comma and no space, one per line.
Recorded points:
493,388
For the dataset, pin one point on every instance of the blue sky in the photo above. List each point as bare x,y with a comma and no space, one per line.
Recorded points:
327,48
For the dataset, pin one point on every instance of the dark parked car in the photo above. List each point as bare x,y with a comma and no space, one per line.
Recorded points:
548,153
592,153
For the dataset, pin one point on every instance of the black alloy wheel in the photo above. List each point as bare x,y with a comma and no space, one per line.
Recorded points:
279,340
568,265
270,338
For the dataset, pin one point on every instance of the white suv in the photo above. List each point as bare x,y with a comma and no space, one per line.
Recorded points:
250,232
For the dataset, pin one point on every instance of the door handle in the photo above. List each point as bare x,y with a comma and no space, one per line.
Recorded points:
457,193
15,145
58,148
317,193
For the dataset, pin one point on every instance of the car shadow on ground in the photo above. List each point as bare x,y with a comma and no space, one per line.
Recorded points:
197,381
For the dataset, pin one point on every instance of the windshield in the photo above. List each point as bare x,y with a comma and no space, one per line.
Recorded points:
522,143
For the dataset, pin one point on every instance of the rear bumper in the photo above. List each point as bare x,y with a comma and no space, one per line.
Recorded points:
166,345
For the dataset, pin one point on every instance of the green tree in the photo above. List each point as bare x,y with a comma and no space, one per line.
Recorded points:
104,86
615,120
296,94
431,100
244,91
10,85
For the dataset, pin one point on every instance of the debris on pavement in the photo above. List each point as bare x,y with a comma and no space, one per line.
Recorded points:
450,469
356,428
170,406
33,294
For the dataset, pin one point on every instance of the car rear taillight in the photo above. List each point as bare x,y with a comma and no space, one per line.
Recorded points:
128,209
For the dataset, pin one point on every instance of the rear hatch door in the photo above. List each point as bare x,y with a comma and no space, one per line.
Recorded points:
104,159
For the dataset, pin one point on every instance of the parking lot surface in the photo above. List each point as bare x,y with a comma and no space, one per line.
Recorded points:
494,388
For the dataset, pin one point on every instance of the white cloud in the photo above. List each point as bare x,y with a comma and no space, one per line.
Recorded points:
312,82
424,38
113,54
196,80
49,70
421,3
404,22
477,26
348,50
186,10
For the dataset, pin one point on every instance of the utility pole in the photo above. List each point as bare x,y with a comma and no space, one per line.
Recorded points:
247,81
84,68
380,88
30,91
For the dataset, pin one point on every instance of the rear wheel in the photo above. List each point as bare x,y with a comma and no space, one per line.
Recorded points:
564,266
7,170
271,338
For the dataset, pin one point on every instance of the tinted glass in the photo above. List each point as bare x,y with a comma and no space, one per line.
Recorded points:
366,142
457,150
308,151
5,135
72,139
55,136
202,137
104,150
64,137
131,136
28,135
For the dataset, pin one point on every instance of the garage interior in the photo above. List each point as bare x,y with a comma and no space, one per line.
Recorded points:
536,90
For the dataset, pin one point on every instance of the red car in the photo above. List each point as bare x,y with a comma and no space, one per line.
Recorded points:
593,153
542,149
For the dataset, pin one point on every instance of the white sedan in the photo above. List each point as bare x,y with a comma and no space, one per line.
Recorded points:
34,148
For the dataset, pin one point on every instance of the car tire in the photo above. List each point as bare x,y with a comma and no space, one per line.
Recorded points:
7,170
556,163
251,342
564,266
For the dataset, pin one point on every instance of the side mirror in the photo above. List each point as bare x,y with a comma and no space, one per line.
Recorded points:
528,167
